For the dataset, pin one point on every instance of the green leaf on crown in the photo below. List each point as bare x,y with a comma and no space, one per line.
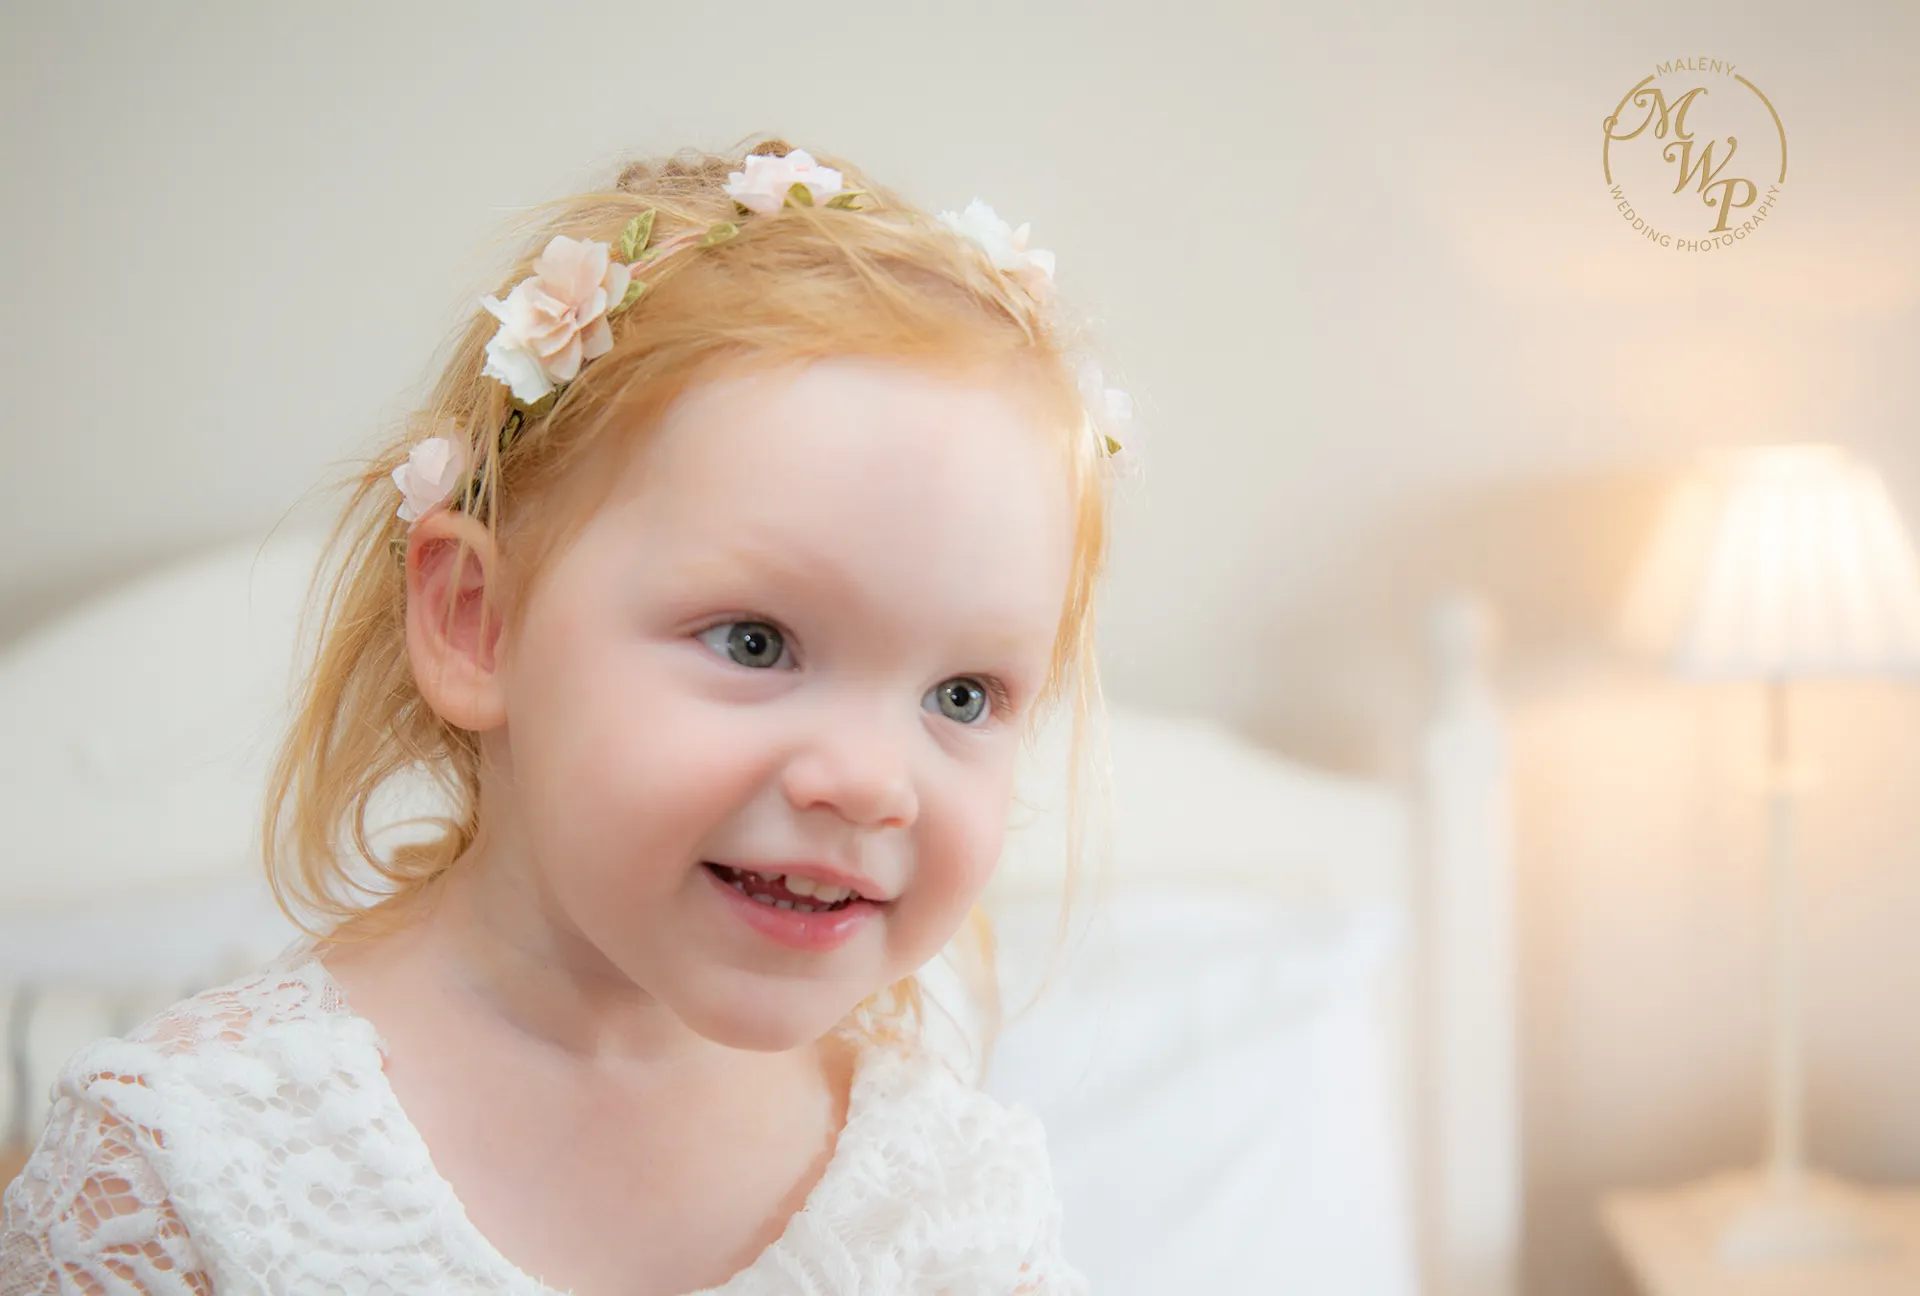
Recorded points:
634,289
847,201
1113,447
718,232
536,408
799,195
638,233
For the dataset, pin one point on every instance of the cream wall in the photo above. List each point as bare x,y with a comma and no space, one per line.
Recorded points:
1357,264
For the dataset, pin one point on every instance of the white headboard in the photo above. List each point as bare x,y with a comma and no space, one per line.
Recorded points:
1466,1092
135,731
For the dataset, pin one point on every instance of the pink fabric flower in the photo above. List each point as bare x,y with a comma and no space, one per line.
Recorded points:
763,186
433,469
555,319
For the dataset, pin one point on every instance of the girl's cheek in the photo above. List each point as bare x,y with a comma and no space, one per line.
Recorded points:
974,829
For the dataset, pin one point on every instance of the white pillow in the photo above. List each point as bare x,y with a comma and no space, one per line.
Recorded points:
1220,1080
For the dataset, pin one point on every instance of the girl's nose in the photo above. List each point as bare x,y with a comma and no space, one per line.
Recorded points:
858,770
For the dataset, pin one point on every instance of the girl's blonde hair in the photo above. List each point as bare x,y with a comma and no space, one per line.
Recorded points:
804,284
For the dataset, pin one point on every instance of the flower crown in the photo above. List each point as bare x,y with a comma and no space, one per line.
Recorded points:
557,319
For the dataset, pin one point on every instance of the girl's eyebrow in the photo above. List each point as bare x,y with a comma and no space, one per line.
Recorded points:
740,561
752,568
735,562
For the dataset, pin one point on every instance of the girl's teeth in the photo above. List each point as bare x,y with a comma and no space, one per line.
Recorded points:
825,897
820,891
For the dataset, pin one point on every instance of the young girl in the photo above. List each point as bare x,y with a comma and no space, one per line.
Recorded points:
744,540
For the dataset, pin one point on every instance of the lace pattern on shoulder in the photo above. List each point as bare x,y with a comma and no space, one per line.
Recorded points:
285,992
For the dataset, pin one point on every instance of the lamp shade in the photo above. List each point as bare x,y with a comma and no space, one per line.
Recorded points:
1781,561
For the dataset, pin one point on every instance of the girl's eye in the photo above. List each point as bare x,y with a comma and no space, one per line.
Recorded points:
965,699
749,643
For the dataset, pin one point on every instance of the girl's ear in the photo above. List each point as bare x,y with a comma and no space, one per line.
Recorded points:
453,629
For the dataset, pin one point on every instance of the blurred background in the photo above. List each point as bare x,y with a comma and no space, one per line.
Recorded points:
1387,334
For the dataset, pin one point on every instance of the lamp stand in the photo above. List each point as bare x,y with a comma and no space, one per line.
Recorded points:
1786,1214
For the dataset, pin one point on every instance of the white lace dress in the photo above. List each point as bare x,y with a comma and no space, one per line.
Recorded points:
246,1140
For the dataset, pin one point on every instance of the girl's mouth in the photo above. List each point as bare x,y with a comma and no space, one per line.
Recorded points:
791,911
783,892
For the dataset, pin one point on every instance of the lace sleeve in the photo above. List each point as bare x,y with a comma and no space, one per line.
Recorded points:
1044,1271
90,1213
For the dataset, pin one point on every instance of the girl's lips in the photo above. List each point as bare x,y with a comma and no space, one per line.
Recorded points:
818,931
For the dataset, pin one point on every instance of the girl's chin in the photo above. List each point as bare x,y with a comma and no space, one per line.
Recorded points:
755,1030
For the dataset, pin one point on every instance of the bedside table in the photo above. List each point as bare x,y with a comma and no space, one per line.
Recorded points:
1666,1239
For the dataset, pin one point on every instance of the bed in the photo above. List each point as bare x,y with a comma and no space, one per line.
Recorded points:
1276,1055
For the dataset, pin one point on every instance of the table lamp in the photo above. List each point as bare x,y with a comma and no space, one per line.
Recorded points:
1784,563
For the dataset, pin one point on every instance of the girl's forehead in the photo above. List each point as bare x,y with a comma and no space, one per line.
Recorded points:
854,409
864,444
868,472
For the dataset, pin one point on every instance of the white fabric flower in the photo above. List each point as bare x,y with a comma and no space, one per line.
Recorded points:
1005,244
1109,413
1110,406
763,186
432,470
555,320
